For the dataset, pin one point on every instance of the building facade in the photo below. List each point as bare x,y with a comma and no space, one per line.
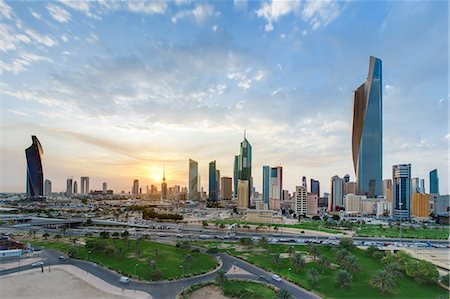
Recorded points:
243,186
226,191
193,180
75,187
84,182
35,174
315,187
276,187
135,189
336,200
367,132
420,205
312,204
105,187
434,182
301,197
401,183
245,165
213,188
69,186
266,184
47,187
235,175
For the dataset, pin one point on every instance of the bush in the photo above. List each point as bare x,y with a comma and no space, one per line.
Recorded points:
212,250
347,243
371,250
446,280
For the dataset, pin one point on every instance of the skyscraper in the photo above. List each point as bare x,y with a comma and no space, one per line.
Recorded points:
422,186
135,189
304,181
105,188
35,176
236,175
69,187
84,182
245,165
401,178
193,180
218,184
212,182
266,184
242,196
387,185
415,185
367,132
315,187
301,194
164,185
434,182
276,187
75,187
47,187
346,178
336,200
225,188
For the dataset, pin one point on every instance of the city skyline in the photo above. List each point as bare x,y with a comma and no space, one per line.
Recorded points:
296,105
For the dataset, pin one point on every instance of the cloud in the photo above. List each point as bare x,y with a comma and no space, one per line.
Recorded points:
58,13
10,41
41,39
92,38
321,13
6,10
21,63
81,6
36,15
240,4
200,13
273,10
244,79
147,7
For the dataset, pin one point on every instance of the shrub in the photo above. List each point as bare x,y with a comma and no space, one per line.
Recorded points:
212,250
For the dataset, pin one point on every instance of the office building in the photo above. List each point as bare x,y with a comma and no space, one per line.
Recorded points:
387,184
350,187
164,185
84,182
135,189
266,184
401,183
235,175
415,185
336,200
312,204
441,203
434,182
105,187
218,184
346,178
75,187
245,165
47,187
353,203
367,132
384,208
420,205
69,186
286,195
422,186
276,187
243,186
35,175
315,187
301,197
226,191
304,181
193,180
213,196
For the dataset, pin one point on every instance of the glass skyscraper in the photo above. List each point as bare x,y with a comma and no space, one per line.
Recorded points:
266,184
315,187
434,182
245,165
35,176
367,132
212,182
193,180
401,183
236,174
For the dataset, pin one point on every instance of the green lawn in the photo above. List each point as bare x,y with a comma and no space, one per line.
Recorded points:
169,260
360,288
252,290
394,232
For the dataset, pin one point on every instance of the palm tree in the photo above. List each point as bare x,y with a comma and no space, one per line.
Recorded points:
187,259
350,264
276,259
383,281
312,250
323,263
343,278
341,254
297,261
393,270
204,224
220,277
313,276
284,294
45,236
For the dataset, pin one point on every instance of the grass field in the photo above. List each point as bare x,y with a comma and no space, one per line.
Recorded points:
360,288
142,260
252,290
394,232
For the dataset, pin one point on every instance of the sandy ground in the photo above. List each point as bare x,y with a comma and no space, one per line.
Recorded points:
209,292
237,270
64,281
15,263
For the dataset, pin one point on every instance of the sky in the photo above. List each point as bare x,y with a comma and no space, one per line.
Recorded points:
116,90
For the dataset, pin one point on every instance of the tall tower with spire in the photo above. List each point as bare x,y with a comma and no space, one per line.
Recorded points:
245,165
164,185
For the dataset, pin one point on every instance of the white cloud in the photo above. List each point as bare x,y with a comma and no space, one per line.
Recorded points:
147,7
182,2
58,13
41,39
243,79
65,38
320,13
82,6
215,28
200,13
240,4
21,63
36,15
17,112
272,11
92,38
9,41
6,10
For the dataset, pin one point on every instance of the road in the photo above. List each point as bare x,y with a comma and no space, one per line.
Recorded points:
168,289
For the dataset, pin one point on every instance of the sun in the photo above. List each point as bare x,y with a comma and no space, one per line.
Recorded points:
157,177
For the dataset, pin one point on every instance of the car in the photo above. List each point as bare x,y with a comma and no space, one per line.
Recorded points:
124,279
263,278
37,264
62,257
276,278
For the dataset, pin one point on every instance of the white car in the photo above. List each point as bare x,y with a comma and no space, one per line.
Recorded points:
124,279
276,278
37,264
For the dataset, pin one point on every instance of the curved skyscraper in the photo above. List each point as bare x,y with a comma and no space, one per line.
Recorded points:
35,177
367,139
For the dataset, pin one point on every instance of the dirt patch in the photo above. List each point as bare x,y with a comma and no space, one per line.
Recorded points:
210,292
237,270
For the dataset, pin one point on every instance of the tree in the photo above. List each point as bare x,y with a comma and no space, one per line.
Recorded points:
115,234
383,281
336,217
89,222
350,264
313,276
371,250
341,254
426,273
263,242
152,264
204,223
222,226
156,251
57,237
284,294
323,263
276,259
297,261
220,277
46,235
393,270
446,280
156,274
312,250
347,243
246,242
343,278
188,259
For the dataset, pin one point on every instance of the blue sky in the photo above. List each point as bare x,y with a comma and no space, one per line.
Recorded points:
114,90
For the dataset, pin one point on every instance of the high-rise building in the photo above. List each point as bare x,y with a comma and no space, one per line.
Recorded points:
312,204
315,187
285,195
213,182
84,182
243,194
301,196
226,188
420,205
422,186
353,203
367,132
349,188
387,184
47,187
441,203
401,178
415,185
276,187
75,187
69,186
218,184
346,178
304,181
235,175
35,175
135,189
164,185
245,165
434,182
266,184
193,180
336,201
105,187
